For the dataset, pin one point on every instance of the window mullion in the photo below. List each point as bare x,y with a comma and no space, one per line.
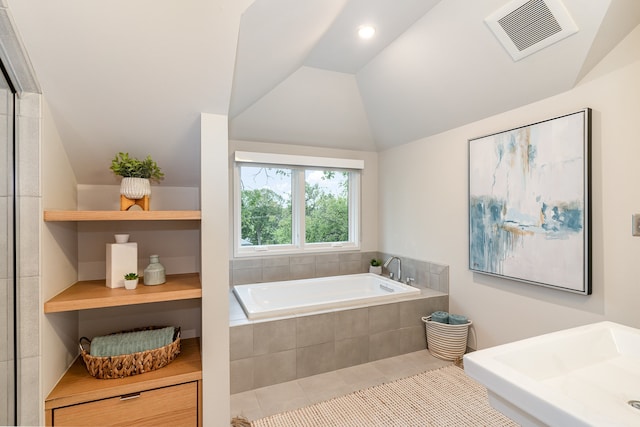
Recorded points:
237,197
300,207
354,207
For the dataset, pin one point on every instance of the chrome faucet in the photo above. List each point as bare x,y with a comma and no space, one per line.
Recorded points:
386,265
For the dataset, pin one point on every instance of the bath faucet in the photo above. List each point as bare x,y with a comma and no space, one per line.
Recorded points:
386,265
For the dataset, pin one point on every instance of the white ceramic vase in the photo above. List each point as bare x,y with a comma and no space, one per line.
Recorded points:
154,274
375,269
135,188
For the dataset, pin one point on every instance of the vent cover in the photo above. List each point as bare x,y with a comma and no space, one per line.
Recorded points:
526,26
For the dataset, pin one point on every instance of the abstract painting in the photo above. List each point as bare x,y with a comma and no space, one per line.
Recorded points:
529,195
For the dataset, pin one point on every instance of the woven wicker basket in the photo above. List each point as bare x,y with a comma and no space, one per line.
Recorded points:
131,364
444,341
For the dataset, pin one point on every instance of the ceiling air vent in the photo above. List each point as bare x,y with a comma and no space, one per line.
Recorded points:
526,26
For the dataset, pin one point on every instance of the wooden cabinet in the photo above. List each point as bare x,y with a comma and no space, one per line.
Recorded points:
170,396
173,406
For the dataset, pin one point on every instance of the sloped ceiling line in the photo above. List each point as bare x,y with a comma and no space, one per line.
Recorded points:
103,70
443,70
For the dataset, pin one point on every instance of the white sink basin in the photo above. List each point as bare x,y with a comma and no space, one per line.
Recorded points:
584,376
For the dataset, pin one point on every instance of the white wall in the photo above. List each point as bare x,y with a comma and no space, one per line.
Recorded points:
215,270
424,209
369,182
58,331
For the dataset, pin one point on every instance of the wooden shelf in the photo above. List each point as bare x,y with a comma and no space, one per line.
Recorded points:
95,294
77,386
136,215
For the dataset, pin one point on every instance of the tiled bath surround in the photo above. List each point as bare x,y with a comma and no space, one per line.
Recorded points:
271,352
426,274
283,350
6,263
28,260
28,196
28,307
272,269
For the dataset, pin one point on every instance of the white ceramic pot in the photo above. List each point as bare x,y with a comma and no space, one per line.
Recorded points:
121,238
375,269
131,284
135,188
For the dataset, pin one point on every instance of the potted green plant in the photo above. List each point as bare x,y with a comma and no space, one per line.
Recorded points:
136,174
376,266
131,281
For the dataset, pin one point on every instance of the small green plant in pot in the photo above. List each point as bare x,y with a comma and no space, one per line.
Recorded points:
131,281
376,266
130,167
136,174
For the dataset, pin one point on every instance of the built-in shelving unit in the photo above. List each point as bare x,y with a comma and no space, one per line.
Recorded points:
79,395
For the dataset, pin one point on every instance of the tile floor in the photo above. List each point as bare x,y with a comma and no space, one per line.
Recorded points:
291,395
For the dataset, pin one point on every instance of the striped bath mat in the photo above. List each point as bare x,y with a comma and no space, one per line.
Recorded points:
442,397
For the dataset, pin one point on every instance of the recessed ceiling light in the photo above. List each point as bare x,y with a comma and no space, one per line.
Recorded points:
366,31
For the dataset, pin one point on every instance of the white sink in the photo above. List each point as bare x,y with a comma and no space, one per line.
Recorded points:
584,376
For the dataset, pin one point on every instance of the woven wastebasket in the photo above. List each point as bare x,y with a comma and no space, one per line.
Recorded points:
444,341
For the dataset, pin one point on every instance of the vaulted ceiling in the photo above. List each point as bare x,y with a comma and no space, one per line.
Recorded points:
134,75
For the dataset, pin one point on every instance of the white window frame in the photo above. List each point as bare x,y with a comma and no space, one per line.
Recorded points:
299,164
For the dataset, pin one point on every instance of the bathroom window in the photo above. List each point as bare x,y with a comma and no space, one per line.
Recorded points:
289,204
266,215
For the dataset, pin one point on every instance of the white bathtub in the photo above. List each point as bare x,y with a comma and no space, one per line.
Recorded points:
291,297
584,376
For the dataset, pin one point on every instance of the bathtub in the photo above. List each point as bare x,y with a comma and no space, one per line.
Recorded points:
292,297
584,376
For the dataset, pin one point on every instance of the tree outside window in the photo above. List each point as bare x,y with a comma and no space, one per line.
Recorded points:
265,206
326,206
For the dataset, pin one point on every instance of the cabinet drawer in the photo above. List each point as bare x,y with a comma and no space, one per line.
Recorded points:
171,406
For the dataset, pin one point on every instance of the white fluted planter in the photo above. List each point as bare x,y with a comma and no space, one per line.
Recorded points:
135,188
